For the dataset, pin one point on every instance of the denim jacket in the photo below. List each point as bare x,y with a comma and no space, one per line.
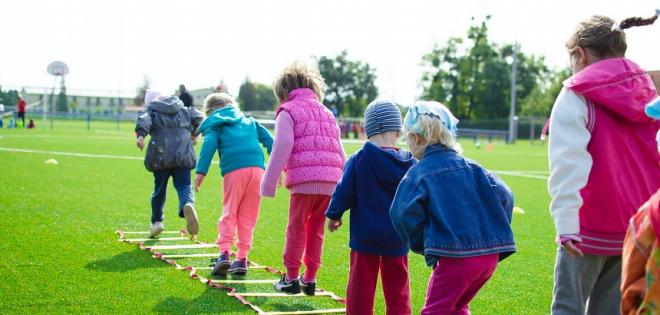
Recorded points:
449,206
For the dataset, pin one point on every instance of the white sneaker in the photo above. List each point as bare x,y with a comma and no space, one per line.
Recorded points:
156,229
191,219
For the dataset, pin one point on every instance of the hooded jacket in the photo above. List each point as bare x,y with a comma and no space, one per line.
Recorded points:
236,138
603,158
367,187
170,126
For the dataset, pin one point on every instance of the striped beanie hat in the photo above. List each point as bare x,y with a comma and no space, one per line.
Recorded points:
381,116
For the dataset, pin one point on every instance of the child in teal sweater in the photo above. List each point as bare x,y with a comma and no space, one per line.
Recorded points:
237,140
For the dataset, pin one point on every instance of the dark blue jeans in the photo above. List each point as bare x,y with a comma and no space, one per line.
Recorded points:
181,178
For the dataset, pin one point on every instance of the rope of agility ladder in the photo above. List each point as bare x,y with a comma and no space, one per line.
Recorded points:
192,272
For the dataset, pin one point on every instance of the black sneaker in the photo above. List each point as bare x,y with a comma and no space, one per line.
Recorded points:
221,264
284,286
309,288
239,267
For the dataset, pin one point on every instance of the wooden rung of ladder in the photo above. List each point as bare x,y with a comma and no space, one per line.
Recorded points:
135,240
247,281
326,311
190,255
183,246
147,232
210,268
273,294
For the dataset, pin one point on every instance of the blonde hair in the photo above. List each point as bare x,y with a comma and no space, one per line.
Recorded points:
298,75
434,131
602,37
217,100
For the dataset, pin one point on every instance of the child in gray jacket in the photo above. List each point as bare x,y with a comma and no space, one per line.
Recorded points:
170,154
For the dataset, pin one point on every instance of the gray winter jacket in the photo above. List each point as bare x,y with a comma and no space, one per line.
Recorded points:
171,126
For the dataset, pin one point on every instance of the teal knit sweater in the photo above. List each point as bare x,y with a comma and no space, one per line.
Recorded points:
236,138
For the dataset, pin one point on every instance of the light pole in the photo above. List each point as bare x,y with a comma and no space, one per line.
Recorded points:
512,109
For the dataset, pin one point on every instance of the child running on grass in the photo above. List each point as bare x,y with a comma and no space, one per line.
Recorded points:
451,210
602,164
236,138
170,154
307,147
370,179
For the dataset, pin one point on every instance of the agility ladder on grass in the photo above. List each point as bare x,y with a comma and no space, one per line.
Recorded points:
223,284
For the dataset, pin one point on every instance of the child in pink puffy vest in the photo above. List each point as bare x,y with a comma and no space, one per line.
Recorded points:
308,148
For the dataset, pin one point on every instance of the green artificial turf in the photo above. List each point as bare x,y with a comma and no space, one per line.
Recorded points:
60,253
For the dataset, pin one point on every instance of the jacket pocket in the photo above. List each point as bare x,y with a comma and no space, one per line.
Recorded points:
155,158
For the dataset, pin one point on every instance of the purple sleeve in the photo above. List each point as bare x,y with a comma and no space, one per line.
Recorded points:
279,157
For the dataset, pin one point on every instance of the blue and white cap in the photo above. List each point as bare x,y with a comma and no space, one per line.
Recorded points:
381,116
433,109
653,108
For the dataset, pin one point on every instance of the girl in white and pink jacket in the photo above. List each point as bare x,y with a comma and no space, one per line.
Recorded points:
603,165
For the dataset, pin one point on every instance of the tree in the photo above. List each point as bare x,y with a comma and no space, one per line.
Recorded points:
61,103
256,96
9,98
138,100
540,100
266,99
247,95
473,78
349,84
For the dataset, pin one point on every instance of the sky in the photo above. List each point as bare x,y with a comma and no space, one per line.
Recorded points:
111,46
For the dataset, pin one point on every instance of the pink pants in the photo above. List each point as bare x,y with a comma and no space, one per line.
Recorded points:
455,282
362,281
240,209
304,234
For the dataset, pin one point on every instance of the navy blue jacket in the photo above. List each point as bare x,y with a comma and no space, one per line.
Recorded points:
449,206
367,187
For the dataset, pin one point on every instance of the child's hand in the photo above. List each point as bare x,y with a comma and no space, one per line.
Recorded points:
572,249
194,140
198,181
333,225
140,142
279,181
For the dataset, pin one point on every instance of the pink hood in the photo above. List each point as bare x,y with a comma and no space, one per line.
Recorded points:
600,81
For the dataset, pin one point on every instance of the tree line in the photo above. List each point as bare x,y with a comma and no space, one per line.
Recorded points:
470,75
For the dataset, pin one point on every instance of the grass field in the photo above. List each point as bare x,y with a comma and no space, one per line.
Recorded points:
60,253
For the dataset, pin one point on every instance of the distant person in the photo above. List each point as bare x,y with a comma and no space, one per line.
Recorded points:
185,97
20,106
2,116
170,154
640,277
367,188
237,140
307,147
31,124
451,210
602,164
334,111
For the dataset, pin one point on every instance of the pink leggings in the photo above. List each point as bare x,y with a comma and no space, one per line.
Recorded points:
362,280
455,282
304,234
240,209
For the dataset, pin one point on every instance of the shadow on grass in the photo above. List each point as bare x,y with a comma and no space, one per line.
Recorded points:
126,261
211,301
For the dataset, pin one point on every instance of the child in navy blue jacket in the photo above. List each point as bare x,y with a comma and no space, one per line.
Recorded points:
367,187
451,210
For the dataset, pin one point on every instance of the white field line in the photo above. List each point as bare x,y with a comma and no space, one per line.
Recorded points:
526,174
521,174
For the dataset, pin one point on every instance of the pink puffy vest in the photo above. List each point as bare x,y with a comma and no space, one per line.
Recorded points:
316,155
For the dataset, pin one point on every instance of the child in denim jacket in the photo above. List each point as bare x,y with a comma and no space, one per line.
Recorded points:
451,210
